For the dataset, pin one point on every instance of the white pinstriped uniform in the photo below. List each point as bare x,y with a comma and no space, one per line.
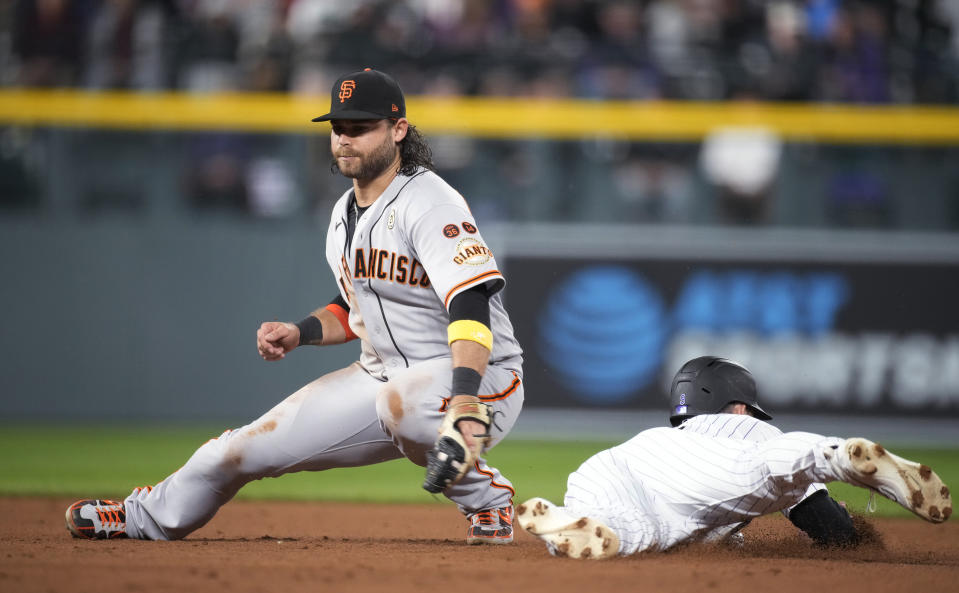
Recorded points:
413,250
700,481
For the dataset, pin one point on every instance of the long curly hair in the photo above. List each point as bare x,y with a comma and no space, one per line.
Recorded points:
415,152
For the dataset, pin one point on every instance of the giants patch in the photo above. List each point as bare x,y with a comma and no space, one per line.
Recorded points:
471,252
451,230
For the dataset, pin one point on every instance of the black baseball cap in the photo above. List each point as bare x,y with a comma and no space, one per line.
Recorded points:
367,94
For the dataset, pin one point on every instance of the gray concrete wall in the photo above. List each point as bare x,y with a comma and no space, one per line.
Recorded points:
110,320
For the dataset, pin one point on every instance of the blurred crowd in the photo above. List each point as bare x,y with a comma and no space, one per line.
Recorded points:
875,51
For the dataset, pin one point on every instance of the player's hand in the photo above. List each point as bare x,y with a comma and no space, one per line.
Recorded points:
463,435
275,338
474,433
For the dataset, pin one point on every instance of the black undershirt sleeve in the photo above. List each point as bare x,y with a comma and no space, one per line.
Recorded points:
471,304
825,521
340,302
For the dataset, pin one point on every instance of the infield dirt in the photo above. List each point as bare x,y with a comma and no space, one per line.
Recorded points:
280,546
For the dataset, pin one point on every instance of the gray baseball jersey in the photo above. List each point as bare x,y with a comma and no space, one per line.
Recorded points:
700,481
413,250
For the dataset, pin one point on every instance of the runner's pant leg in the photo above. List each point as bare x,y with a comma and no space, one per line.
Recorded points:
603,489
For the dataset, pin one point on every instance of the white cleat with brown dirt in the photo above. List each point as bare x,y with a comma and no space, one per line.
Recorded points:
913,485
566,534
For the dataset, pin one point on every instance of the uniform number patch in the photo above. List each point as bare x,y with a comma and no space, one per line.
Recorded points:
468,227
471,252
451,230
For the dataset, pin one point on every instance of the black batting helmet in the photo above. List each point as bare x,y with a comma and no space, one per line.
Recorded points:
705,385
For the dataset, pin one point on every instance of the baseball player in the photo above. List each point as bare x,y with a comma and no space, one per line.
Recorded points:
439,379
718,467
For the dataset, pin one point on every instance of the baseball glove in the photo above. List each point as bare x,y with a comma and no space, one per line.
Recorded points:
450,458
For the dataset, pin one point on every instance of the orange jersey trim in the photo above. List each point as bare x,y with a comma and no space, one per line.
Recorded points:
493,483
343,316
483,276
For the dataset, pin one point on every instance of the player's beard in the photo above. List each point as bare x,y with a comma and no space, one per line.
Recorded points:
371,165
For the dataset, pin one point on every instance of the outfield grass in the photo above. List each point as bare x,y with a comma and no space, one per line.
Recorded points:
109,461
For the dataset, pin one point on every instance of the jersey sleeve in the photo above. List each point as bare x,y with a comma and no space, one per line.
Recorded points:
451,249
764,432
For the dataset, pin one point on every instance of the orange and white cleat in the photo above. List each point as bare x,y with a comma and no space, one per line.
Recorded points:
97,519
492,526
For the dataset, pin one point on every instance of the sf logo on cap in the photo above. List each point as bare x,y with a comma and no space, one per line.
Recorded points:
346,89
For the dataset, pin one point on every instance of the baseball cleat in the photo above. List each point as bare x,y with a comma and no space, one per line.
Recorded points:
97,519
914,486
492,526
566,534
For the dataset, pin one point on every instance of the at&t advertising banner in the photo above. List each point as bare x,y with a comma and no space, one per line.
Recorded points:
865,338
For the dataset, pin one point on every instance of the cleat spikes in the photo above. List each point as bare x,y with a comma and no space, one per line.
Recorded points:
912,485
565,534
917,499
